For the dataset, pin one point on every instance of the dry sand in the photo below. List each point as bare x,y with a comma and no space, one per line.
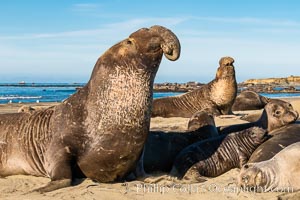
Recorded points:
222,187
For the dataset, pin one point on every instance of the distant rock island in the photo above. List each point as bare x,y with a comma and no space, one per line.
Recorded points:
176,87
291,80
289,84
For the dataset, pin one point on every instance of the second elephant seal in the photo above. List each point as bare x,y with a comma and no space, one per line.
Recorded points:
249,100
217,96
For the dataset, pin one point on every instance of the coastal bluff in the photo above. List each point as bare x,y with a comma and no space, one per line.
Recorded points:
291,80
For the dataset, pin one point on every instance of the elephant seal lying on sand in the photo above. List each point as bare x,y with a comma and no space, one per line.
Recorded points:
249,100
99,132
276,114
216,96
277,174
215,156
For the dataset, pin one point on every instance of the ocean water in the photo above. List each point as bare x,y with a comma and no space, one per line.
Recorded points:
57,92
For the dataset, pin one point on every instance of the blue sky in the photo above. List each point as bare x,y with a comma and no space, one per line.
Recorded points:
60,41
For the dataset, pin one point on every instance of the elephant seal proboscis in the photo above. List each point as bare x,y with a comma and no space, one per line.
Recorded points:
161,148
217,96
282,138
280,173
249,100
276,114
99,132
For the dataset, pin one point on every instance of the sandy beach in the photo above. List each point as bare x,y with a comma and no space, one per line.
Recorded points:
222,187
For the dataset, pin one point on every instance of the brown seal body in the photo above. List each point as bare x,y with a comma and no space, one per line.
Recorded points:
215,156
282,138
203,119
161,148
249,100
280,173
276,114
91,133
218,96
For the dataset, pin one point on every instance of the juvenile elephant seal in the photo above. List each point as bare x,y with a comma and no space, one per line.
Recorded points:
218,96
276,114
282,138
161,148
280,173
98,132
215,156
202,119
249,100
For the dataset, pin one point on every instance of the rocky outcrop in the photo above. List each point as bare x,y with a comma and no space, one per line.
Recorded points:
176,87
291,85
291,80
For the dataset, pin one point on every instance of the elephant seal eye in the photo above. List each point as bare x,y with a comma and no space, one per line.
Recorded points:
277,112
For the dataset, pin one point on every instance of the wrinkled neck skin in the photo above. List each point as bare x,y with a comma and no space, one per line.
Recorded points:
119,99
225,91
270,179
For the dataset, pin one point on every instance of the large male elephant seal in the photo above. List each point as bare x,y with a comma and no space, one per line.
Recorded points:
99,132
282,138
276,114
249,100
217,96
281,173
161,148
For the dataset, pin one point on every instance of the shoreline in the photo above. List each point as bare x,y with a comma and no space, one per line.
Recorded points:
13,107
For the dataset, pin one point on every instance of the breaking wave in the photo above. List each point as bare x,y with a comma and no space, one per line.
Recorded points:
19,97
